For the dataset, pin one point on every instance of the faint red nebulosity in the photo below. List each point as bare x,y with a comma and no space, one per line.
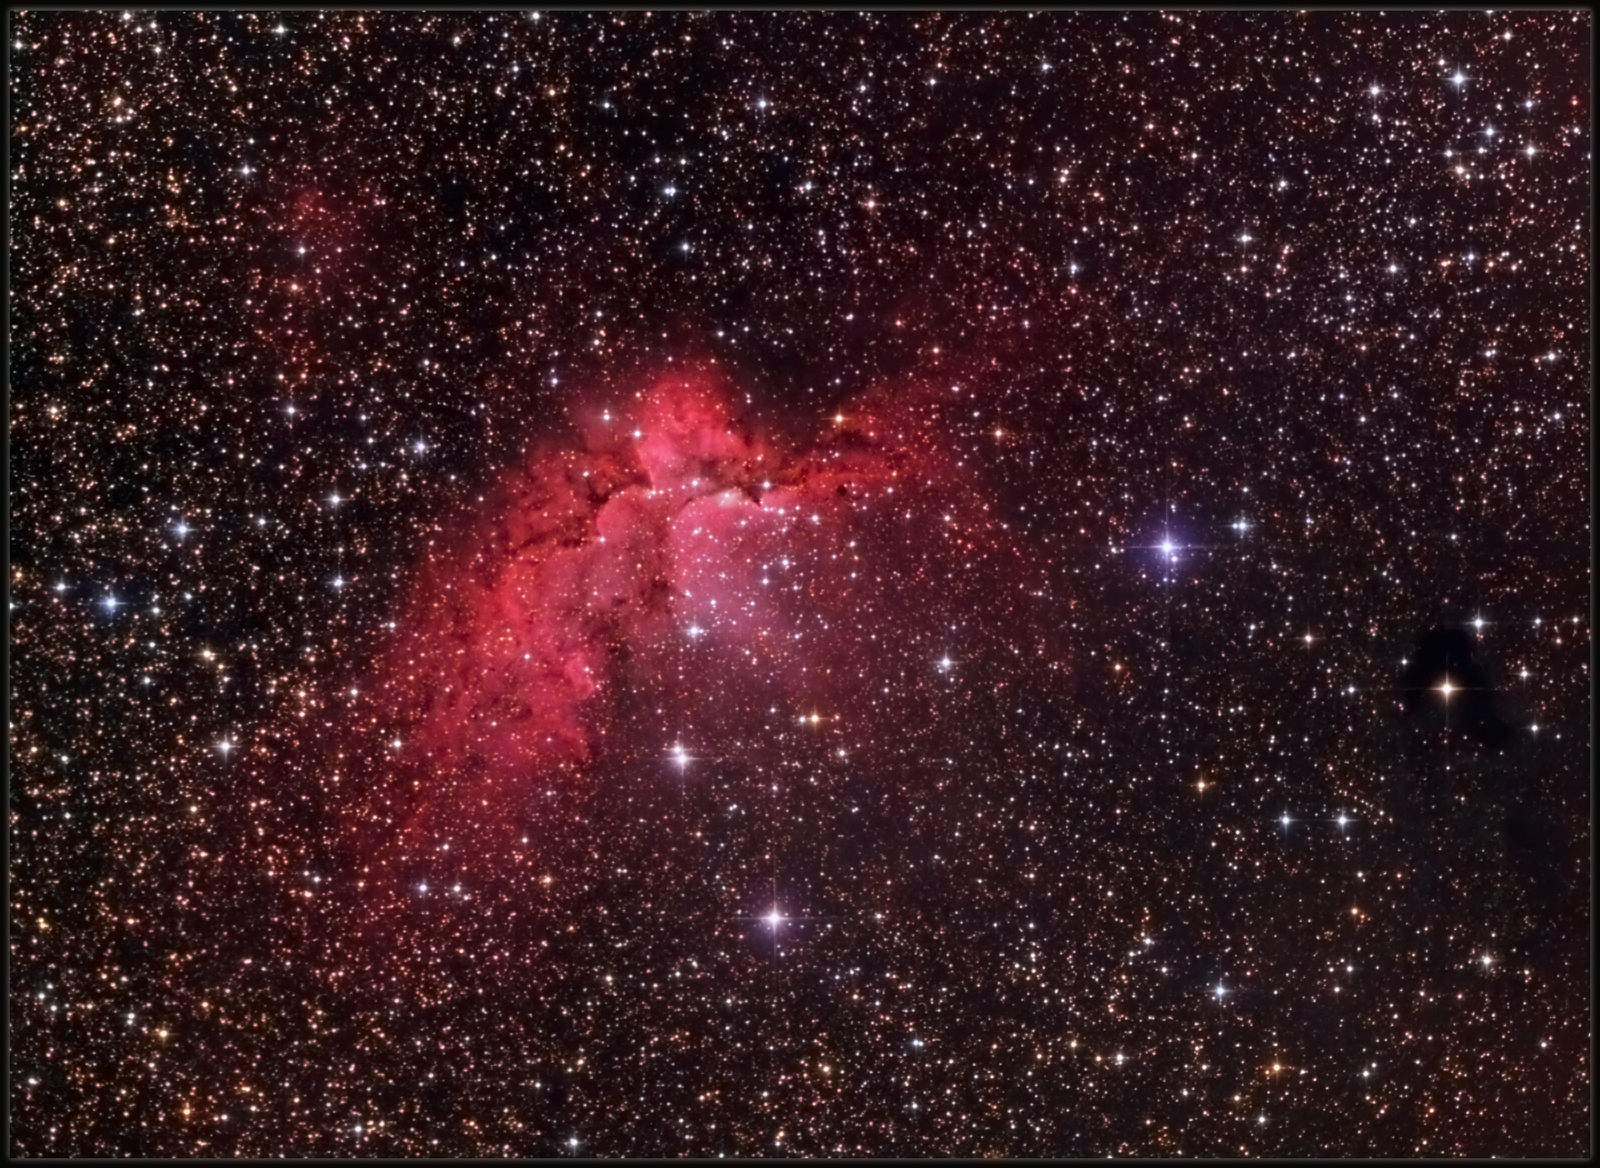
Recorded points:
303,300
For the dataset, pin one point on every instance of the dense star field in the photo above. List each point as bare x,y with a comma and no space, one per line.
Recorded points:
800,584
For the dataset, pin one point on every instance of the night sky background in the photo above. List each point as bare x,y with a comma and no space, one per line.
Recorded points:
753,584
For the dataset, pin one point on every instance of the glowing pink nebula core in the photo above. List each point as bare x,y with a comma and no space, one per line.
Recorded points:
676,562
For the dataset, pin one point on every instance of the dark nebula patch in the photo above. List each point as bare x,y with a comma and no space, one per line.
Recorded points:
1445,683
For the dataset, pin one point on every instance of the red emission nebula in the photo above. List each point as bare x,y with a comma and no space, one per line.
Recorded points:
674,578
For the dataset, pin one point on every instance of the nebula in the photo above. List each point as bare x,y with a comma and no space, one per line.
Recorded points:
675,567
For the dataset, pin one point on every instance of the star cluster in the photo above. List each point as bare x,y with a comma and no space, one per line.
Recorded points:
799,584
